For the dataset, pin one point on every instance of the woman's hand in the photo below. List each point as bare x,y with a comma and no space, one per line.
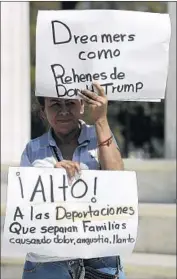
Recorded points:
72,169
97,104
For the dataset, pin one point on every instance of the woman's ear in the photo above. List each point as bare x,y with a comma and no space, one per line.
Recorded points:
82,107
42,113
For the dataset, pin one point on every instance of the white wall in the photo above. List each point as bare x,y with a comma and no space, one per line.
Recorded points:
15,80
170,102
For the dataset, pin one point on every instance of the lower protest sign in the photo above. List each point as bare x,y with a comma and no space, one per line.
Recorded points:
96,216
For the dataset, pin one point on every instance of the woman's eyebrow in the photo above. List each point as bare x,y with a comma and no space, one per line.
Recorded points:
70,100
61,101
55,100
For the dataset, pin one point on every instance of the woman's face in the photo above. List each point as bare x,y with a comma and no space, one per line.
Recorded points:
63,114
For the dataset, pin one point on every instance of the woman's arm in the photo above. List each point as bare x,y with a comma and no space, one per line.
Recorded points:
25,162
72,168
109,155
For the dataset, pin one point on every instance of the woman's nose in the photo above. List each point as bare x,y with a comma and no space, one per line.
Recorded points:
64,110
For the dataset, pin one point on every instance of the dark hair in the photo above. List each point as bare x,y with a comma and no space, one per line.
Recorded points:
41,101
39,125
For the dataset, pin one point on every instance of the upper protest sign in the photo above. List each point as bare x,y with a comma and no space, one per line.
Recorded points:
126,52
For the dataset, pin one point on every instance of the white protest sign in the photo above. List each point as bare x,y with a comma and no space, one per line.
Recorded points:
126,52
94,217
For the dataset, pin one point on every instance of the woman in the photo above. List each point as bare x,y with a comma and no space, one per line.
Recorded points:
73,145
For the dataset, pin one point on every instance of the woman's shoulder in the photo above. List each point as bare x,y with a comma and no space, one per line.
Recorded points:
38,142
35,149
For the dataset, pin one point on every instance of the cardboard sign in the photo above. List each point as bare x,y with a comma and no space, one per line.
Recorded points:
96,216
126,52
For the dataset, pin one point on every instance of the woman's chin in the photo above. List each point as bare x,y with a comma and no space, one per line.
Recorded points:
64,130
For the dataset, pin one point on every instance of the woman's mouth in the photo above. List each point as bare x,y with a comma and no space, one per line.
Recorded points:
64,120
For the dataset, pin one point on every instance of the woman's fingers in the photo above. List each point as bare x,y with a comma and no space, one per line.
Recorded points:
77,167
89,98
91,95
72,169
92,98
99,88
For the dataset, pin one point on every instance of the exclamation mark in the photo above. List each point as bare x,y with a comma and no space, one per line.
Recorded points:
21,185
94,190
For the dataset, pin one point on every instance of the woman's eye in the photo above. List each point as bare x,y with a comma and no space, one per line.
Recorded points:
55,105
